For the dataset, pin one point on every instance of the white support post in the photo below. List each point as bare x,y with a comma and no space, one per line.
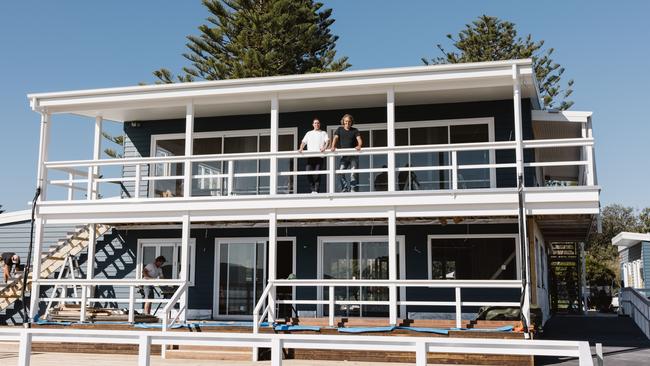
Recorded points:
90,184
459,308
276,351
421,353
231,177
392,266
516,97
331,308
331,177
70,187
454,169
97,150
273,169
273,225
189,146
25,350
589,151
144,350
390,137
90,257
583,278
132,304
82,306
36,267
185,265
138,179
41,174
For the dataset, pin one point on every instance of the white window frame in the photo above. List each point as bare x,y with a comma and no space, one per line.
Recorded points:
434,123
222,134
474,236
235,240
400,239
178,244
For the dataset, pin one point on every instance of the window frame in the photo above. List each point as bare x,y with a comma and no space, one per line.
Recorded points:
431,237
178,244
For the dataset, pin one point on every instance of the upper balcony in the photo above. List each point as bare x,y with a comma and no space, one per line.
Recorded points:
197,153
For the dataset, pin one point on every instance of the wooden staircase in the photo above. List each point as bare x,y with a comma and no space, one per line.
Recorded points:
51,261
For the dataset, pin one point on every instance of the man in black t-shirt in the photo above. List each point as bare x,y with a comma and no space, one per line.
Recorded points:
348,137
9,260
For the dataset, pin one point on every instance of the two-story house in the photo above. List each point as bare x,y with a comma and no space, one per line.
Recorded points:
464,181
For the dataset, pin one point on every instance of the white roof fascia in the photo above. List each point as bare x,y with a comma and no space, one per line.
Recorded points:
16,216
561,116
64,102
627,239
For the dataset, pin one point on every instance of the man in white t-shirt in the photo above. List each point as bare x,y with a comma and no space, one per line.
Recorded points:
315,140
151,271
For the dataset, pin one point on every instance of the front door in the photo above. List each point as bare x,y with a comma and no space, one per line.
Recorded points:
241,274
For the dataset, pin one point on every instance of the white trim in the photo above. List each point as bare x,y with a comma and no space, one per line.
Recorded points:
628,239
346,239
216,273
142,242
474,236
15,217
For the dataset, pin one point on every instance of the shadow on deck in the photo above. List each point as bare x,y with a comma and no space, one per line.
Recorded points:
623,342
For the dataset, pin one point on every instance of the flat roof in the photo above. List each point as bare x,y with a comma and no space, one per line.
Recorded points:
15,217
627,239
412,85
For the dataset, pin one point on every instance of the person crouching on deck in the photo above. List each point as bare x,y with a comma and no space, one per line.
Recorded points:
348,137
315,140
151,271
9,260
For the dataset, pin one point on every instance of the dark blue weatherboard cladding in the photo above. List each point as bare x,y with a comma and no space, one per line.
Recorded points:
201,294
138,135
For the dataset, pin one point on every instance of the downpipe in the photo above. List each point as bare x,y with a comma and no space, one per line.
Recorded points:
523,242
26,320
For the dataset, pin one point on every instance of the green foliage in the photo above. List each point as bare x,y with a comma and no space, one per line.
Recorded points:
254,38
602,257
1,210
491,39
117,140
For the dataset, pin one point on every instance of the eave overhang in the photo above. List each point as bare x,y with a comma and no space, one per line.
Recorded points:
437,83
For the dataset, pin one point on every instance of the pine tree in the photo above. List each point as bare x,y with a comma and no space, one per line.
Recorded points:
1,210
253,38
491,39
117,140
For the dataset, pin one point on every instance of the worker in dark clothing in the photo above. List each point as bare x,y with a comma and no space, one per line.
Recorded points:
9,260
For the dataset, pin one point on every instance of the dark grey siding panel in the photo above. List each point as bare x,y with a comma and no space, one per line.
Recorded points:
634,252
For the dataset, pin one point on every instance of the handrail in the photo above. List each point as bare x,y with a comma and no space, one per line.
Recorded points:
258,307
392,302
454,167
421,346
170,305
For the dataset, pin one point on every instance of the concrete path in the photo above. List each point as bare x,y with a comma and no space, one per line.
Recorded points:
623,342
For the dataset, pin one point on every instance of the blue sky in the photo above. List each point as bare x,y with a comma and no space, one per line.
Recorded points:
67,45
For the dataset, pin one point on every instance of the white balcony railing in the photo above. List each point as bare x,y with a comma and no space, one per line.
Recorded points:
423,167
84,285
267,301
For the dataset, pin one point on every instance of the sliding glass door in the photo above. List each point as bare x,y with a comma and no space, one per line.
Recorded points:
362,259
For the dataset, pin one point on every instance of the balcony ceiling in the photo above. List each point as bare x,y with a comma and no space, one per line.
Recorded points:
339,90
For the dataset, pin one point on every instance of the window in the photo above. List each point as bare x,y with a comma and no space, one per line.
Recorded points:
473,257
430,133
149,249
222,142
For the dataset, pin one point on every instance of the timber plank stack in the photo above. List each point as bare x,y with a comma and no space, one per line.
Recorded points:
72,313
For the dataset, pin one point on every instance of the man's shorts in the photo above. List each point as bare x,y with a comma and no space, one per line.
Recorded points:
149,292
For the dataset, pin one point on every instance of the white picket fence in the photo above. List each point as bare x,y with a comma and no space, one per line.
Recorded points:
276,342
